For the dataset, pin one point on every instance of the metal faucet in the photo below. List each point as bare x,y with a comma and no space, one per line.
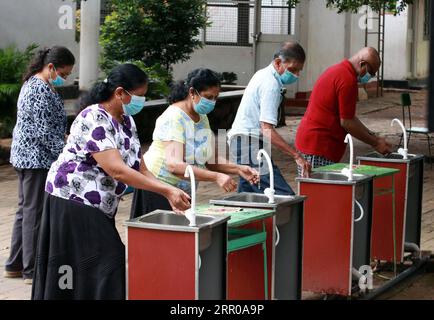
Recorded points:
349,171
401,151
269,192
190,214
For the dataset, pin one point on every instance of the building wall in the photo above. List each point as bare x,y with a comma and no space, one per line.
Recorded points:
325,34
395,51
23,22
321,32
221,59
420,50
328,38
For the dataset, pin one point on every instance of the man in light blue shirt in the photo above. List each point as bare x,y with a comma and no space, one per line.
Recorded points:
257,117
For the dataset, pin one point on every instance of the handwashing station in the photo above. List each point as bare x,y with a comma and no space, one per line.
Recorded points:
408,187
337,232
284,244
177,257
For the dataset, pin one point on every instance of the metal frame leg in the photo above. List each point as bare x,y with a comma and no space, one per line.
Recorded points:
264,249
394,227
429,149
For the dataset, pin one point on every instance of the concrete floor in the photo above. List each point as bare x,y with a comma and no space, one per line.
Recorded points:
375,113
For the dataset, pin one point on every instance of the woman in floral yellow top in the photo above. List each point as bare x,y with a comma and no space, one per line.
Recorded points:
182,137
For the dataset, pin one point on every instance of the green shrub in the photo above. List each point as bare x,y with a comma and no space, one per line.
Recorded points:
13,64
154,32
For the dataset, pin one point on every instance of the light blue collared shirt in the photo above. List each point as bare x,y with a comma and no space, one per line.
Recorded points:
260,103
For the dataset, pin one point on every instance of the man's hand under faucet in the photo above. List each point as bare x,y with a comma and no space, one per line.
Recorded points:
250,174
306,168
276,139
383,146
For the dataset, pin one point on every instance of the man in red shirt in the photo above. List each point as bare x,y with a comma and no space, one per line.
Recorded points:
331,113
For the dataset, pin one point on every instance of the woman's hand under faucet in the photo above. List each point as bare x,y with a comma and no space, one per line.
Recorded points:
179,200
250,174
226,182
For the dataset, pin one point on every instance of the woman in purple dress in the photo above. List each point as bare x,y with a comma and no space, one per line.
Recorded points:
80,254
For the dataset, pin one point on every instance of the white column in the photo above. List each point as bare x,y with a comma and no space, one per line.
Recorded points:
302,30
89,43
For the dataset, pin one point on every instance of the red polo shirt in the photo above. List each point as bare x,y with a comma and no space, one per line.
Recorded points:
334,97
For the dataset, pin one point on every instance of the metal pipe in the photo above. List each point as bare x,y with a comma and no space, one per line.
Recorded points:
412,271
413,248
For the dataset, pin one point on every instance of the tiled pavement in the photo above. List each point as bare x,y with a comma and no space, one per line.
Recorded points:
375,113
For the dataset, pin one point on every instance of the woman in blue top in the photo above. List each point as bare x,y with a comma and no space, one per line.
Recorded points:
38,139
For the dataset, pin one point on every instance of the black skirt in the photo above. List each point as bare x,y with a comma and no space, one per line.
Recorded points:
80,254
145,202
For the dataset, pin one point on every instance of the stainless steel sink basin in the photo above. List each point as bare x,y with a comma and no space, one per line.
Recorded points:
282,204
334,178
393,157
169,221
255,200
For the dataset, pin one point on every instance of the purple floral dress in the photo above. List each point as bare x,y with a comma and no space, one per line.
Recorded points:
77,176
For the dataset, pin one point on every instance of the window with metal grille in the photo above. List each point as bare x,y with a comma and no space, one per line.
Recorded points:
277,17
105,9
427,22
232,22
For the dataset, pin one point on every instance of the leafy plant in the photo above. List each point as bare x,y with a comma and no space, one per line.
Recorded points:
154,32
229,78
159,77
354,5
13,64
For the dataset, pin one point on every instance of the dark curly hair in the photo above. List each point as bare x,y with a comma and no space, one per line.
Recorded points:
200,79
127,76
59,56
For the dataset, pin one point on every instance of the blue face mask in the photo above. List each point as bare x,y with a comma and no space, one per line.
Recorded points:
288,78
365,79
205,106
136,105
59,81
